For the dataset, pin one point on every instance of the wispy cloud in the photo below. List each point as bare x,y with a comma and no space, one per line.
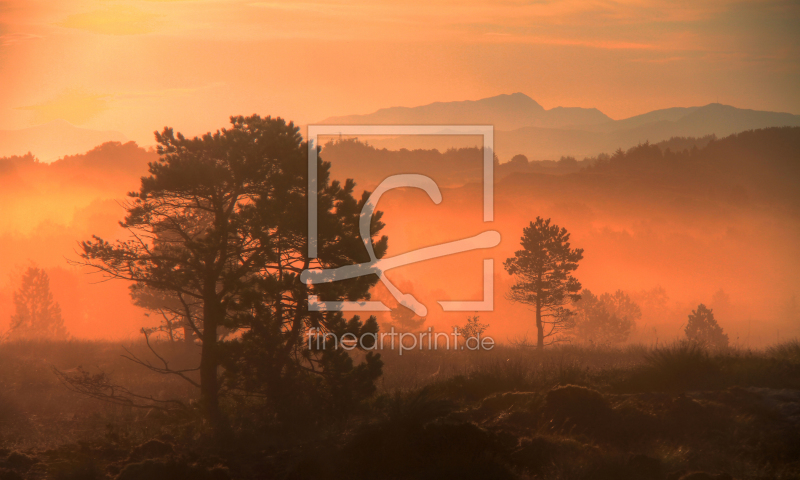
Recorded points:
164,92
115,20
74,106
14,38
658,60
609,44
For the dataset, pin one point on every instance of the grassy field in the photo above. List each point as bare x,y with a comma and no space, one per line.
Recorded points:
566,413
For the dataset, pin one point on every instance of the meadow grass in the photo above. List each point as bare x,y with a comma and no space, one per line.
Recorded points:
568,412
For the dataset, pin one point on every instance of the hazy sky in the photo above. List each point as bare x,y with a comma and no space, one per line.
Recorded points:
135,66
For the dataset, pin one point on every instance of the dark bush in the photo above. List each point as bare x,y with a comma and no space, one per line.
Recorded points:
430,452
577,407
76,469
538,454
488,378
19,461
6,474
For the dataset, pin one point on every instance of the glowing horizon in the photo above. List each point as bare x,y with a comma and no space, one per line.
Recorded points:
136,66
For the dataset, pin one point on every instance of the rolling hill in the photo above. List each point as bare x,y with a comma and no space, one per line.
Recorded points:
523,126
505,112
53,140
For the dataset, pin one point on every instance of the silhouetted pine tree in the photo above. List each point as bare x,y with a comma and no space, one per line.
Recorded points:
703,328
220,229
36,315
543,273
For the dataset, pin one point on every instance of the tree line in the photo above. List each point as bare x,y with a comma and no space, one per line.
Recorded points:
217,239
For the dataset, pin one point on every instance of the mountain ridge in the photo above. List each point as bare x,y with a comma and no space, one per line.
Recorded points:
540,134
522,126
505,111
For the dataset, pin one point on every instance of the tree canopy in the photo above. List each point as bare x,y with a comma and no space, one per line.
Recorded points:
543,273
605,319
218,232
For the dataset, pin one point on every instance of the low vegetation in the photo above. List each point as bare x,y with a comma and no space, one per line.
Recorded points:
567,412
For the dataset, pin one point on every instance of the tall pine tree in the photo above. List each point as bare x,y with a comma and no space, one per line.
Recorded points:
220,230
543,272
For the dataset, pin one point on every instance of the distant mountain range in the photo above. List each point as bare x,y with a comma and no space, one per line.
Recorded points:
523,126
53,140
505,112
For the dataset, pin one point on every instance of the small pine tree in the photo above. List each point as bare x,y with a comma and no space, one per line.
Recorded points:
703,328
36,315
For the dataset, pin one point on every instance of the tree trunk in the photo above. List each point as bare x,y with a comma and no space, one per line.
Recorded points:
539,327
297,322
209,386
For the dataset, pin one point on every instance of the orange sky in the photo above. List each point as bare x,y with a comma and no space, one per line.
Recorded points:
135,66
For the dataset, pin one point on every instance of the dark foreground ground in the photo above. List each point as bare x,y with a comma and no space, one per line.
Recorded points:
568,413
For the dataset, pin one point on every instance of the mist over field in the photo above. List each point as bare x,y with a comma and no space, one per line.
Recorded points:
697,222
419,240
